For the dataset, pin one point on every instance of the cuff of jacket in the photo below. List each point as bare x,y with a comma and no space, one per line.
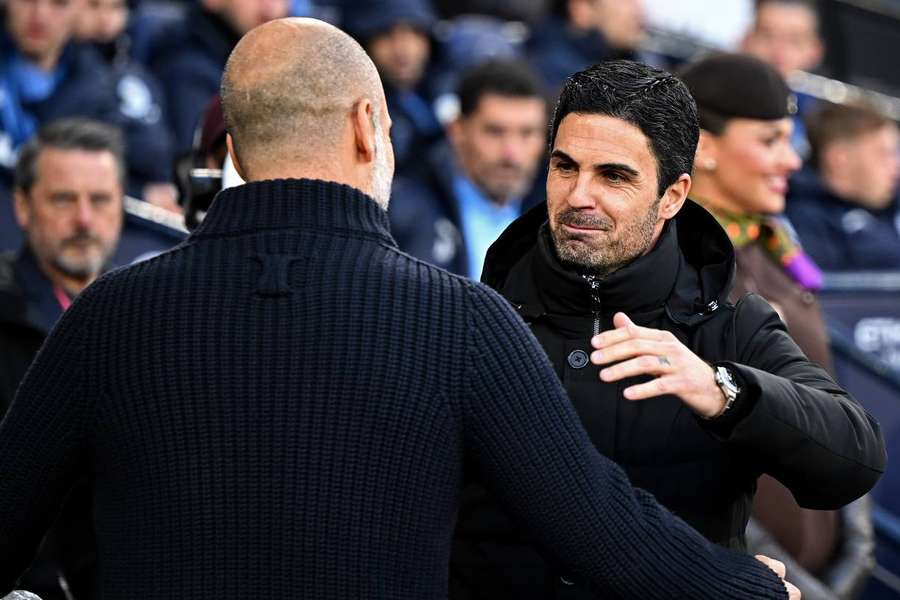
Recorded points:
722,426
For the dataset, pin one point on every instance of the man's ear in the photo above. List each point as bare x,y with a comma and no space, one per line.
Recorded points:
22,208
364,130
674,197
229,143
454,132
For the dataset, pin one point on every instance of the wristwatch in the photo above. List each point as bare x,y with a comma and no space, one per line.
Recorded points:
730,389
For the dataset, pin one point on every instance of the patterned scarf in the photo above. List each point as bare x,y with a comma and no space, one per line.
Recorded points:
775,238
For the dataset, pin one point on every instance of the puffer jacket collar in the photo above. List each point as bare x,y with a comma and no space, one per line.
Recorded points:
693,253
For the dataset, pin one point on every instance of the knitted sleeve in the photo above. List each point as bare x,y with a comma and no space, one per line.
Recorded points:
532,451
43,444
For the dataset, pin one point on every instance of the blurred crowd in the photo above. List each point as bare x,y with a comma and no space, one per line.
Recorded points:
103,98
152,70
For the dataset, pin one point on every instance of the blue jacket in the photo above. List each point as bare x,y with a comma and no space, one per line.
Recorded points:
86,89
190,68
415,126
424,212
839,234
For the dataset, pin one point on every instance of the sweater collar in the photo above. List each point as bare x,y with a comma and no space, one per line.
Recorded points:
294,204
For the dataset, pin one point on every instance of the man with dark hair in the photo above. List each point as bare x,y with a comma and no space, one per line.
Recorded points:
68,202
285,404
470,188
696,397
846,212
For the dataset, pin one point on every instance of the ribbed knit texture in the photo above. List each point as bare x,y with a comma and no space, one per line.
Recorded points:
281,408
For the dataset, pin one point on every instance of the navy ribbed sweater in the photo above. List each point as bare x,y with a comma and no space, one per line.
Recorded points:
281,408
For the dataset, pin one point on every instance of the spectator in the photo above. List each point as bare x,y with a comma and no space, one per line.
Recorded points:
68,202
397,35
473,186
192,57
785,34
102,23
741,174
848,217
580,33
45,76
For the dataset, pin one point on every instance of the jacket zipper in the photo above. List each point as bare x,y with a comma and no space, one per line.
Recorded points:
596,304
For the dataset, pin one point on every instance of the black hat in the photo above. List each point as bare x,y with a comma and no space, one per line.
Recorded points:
727,86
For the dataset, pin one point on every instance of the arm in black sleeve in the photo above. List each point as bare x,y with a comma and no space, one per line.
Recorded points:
534,454
43,442
795,421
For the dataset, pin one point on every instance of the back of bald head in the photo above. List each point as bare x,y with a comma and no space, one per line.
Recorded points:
289,88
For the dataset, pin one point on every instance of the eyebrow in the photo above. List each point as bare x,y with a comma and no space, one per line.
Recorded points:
621,167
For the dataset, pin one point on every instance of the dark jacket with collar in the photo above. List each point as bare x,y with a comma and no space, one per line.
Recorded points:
28,310
841,235
189,68
425,216
791,420
282,405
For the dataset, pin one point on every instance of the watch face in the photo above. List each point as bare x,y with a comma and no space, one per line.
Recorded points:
726,381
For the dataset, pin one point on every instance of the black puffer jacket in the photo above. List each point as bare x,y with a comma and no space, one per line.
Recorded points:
792,421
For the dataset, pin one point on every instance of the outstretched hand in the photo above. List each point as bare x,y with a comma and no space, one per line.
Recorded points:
632,350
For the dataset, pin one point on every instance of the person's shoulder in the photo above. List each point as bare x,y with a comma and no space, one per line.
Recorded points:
418,271
146,273
752,314
87,65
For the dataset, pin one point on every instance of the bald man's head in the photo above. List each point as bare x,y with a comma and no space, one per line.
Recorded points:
289,90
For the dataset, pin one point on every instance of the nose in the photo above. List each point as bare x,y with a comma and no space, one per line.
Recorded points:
790,160
84,213
511,149
41,11
580,195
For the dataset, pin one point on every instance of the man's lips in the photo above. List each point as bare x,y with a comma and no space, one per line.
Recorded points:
581,228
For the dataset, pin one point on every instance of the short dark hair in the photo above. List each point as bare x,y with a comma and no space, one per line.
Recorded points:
68,134
654,101
829,123
502,77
